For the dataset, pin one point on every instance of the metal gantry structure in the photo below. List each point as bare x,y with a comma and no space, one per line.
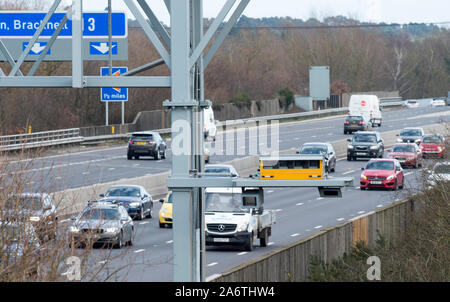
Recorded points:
187,51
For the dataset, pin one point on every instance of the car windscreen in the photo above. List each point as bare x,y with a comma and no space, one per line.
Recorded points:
123,191
432,140
411,132
353,119
442,169
380,165
217,170
100,214
403,149
142,137
365,138
170,198
24,202
224,202
313,150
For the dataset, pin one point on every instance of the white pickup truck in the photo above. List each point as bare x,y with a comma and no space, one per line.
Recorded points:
237,217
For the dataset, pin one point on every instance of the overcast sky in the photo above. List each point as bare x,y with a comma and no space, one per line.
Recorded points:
389,11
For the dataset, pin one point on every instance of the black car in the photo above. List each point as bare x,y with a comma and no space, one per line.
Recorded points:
135,199
365,144
325,149
354,123
147,143
411,135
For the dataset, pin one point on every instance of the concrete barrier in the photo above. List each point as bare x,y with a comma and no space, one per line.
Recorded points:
291,263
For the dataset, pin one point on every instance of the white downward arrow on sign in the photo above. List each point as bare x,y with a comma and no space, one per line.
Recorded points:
103,48
37,48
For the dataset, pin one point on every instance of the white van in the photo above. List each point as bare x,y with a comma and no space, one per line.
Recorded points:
209,124
367,106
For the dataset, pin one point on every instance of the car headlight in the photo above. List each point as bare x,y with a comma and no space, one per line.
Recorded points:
373,147
418,140
399,140
35,218
134,204
439,149
243,227
350,147
74,229
363,176
112,230
391,177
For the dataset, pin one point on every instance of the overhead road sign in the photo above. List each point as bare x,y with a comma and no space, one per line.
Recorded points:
113,94
19,24
61,49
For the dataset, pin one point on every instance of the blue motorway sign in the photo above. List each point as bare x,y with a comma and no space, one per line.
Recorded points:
20,24
102,48
37,48
113,94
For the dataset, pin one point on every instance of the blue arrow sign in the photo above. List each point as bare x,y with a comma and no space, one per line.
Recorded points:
95,25
37,48
113,94
102,48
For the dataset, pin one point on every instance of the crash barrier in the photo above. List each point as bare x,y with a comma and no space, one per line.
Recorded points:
391,101
40,139
291,263
112,132
73,200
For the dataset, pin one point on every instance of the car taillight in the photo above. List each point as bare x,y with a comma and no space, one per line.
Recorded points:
361,122
347,122
151,143
131,142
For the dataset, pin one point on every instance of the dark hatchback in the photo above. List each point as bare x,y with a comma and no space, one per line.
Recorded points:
354,123
365,144
410,135
148,143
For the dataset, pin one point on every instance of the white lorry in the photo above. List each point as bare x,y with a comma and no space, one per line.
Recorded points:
236,216
367,106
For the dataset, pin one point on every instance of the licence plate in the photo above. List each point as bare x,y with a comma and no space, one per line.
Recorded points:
141,143
376,182
221,239
360,153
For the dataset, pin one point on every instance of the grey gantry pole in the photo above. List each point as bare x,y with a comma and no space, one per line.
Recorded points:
182,104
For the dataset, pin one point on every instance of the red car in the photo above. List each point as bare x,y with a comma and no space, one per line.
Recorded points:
382,173
433,145
406,154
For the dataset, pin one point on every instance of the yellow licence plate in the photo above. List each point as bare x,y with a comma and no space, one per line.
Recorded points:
141,143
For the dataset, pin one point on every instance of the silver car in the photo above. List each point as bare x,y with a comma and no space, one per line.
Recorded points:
102,222
325,149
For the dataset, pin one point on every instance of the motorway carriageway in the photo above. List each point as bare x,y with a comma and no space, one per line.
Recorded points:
106,164
299,215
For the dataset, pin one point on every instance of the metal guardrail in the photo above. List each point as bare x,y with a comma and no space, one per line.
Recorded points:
66,136
40,139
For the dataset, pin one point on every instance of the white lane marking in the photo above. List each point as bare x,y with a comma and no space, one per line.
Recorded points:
340,219
65,220
361,212
308,230
320,198
300,204
318,227
314,136
103,262
271,243
278,210
145,222
58,178
357,188
295,235
169,242
379,206
348,172
270,191
212,264
242,253
360,216
86,173
409,173
111,169
139,251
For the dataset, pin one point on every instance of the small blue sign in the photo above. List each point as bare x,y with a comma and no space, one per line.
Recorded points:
37,48
95,25
113,94
102,48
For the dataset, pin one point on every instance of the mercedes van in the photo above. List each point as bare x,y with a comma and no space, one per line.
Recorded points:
367,106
